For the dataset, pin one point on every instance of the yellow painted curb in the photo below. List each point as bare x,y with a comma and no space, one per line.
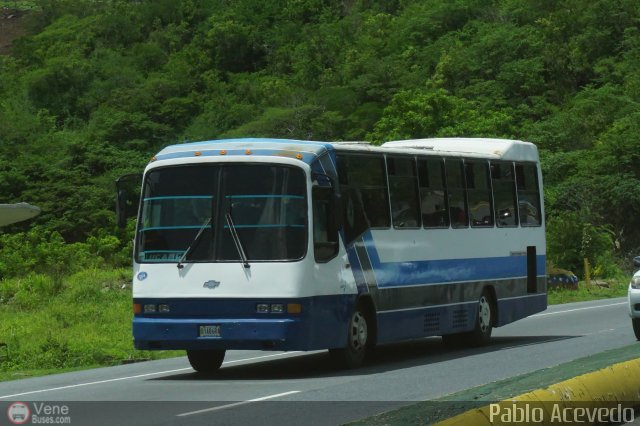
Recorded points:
616,387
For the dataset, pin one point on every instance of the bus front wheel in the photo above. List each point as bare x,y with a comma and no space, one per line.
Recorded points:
352,356
205,361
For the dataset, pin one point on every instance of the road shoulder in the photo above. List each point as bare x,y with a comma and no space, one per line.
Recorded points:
429,412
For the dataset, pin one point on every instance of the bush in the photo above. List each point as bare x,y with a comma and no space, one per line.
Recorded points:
46,252
570,240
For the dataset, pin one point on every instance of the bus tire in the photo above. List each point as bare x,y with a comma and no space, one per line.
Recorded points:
636,327
358,336
206,361
481,334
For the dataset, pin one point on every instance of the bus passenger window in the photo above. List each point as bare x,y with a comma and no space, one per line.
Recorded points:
457,196
325,231
479,193
433,196
528,195
403,190
363,186
504,194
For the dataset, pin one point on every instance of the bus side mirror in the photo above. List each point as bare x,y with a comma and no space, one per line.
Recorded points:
636,261
127,194
121,208
335,200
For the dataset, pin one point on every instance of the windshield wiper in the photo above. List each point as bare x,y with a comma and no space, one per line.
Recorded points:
236,240
193,243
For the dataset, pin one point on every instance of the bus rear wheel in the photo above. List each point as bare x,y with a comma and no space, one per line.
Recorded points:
636,327
206,361
352,356
481,334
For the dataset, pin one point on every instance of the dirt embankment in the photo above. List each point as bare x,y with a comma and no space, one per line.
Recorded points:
11,27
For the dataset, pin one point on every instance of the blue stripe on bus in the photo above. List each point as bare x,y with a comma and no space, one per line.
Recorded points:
395,274
356,268
451,270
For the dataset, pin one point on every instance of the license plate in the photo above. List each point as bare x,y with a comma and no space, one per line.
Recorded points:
209,331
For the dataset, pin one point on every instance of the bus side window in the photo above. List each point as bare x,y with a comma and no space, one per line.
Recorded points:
403,190
457,194
504,194
433,194
364,192
479,193
528,195
325,230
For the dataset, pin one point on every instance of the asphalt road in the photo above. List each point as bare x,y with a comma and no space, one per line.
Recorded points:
304,388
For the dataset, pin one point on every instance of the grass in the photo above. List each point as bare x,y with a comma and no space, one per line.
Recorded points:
616,288
51,325
60,324
19,4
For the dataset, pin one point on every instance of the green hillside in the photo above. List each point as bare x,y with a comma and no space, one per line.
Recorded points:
98,86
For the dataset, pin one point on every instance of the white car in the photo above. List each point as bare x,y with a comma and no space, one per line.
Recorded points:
634,299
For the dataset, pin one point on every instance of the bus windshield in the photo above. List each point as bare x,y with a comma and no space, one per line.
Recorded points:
267,203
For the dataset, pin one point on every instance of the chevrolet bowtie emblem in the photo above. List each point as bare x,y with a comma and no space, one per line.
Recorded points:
211,284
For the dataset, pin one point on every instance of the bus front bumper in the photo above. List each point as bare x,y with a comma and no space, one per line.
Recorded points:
173,333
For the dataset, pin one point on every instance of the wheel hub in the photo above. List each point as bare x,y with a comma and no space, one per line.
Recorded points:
358,331
484,314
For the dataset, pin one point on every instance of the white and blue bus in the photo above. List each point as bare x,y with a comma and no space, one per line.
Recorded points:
297,245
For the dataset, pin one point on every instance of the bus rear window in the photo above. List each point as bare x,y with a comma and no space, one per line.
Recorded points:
528,195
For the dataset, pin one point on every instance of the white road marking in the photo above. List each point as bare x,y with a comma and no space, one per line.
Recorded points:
576,309
235,404
138,376
600,332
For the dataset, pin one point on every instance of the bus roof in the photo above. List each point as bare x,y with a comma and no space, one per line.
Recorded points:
503,149
249,143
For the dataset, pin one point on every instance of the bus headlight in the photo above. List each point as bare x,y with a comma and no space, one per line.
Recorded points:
150,309
262,308
635,283
277,308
